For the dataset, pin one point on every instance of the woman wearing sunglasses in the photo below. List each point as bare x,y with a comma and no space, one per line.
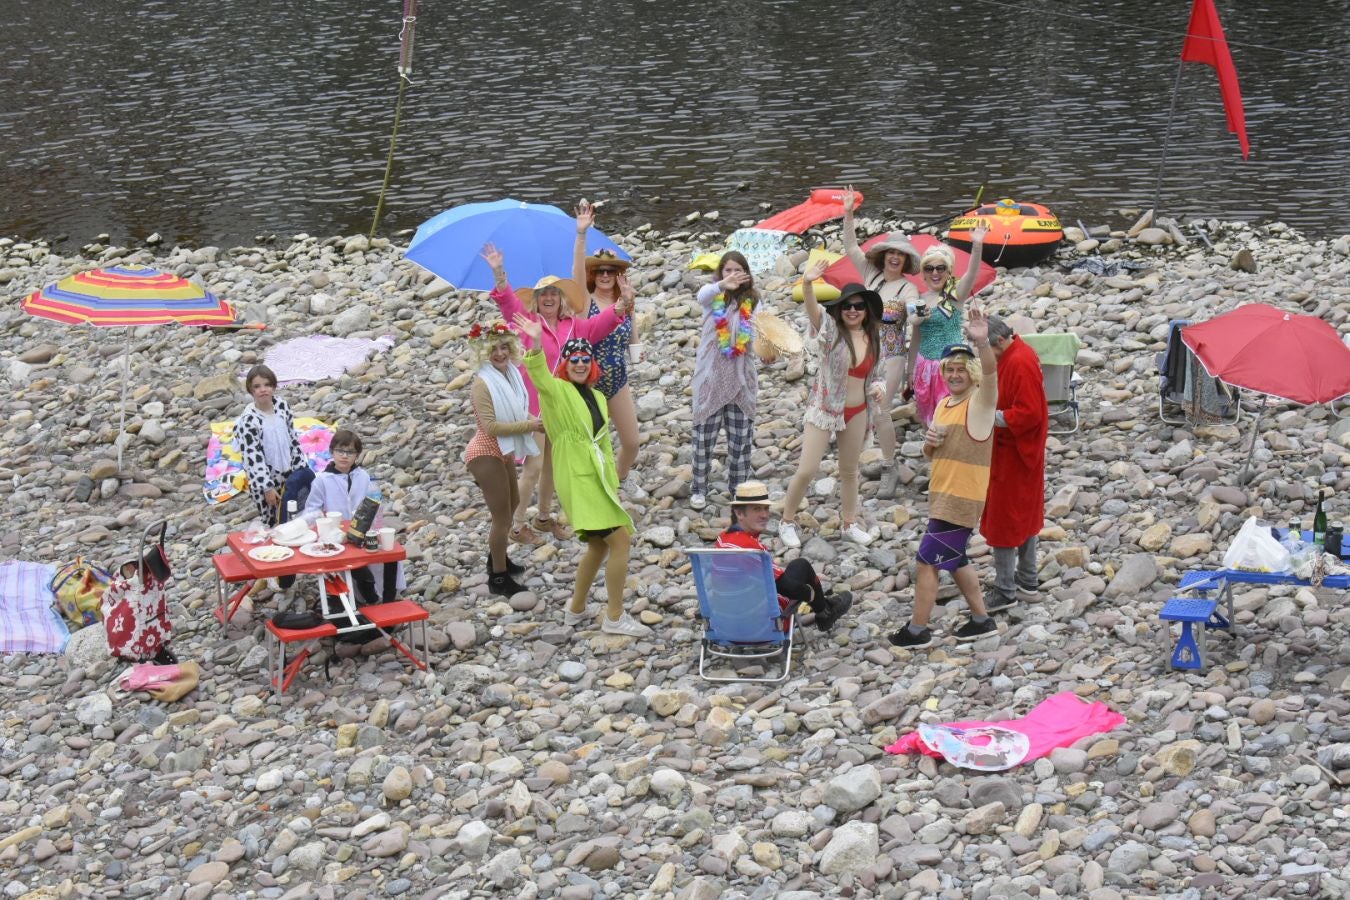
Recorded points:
883,269
584,472
848,337
606,280
936,323
547,304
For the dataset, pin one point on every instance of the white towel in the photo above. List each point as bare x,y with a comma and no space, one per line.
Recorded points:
510,403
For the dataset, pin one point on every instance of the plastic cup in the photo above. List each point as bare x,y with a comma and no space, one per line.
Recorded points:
386,539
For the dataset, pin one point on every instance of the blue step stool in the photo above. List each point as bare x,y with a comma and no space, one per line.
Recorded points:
1196,615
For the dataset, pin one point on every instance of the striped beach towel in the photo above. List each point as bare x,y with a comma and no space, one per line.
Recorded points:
29,622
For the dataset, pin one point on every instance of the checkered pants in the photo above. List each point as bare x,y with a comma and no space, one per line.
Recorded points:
740,436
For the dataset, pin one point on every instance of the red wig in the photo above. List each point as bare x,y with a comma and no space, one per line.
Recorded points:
560,370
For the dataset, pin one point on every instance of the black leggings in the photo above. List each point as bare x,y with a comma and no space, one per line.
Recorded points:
799,582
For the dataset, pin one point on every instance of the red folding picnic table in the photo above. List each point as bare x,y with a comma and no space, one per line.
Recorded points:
335,580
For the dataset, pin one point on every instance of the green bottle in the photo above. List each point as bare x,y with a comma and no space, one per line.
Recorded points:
1320,522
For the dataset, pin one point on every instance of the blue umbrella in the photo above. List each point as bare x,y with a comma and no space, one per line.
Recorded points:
535,239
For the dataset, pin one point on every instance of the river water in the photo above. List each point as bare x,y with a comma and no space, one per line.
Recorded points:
215,123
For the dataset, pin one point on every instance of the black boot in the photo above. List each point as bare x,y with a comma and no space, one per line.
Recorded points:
512,568
503,585
835,607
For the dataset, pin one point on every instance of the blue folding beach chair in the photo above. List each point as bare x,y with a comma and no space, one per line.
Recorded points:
738,601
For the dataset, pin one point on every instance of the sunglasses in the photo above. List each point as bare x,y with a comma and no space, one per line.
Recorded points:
606,270
935,268
854,306
579,359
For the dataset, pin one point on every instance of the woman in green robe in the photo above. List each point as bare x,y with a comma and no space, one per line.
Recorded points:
576,419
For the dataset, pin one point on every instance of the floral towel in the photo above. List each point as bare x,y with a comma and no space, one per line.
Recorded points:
225,475
29,622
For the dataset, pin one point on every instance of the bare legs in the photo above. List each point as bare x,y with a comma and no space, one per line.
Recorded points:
895,372
815,441
926,588
623,413
537,470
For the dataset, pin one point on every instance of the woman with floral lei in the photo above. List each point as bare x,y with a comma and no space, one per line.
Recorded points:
726,385
585,474
848,335
606,280
506,431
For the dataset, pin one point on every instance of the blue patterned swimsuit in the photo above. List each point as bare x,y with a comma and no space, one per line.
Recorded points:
612,354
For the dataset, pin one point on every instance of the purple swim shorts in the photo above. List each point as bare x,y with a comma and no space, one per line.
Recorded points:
944,545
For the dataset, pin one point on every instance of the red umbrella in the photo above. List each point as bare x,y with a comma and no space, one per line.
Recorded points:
844,272
1269,351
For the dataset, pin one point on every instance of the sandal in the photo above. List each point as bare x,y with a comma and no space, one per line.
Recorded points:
524,534
552,526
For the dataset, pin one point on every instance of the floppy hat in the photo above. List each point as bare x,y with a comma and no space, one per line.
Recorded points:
894,241
751,493
572,292
958,349
854,289
606,258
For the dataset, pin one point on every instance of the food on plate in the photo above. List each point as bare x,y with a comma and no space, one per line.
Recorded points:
321,548
271,553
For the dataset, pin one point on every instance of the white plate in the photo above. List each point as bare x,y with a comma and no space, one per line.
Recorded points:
271,553
321,549
307,538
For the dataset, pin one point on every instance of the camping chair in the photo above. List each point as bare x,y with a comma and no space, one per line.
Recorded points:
1186,392
1057,353
738,601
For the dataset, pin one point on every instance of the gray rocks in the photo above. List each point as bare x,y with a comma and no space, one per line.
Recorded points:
852,849
854,789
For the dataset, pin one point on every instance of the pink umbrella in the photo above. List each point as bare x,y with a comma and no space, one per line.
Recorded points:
843,271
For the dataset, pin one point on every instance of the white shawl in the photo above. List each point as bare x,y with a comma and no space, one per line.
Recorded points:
510,403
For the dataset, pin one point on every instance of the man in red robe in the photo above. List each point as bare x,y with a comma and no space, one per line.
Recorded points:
1015,508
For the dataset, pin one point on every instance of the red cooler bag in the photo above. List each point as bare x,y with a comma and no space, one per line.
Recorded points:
136,606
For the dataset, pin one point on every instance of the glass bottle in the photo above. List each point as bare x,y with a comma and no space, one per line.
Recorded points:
1319,522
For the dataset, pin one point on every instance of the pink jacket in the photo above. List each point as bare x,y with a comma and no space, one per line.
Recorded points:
594,329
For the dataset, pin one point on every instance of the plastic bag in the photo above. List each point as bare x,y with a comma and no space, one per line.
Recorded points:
988,748
1255,549
79,587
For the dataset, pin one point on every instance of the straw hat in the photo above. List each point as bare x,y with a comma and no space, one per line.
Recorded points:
574,293
751,493
606,258
773,337
876,254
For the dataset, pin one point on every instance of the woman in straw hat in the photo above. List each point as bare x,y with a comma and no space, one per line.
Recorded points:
506,430
936,323
848,336
883,269
606,280
587,477
548,303
726,384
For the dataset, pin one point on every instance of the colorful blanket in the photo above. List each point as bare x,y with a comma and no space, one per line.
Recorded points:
29,622
225,476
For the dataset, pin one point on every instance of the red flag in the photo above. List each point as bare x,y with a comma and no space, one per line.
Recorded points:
1206,44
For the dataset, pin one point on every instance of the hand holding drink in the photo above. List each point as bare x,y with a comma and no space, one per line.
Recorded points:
935,436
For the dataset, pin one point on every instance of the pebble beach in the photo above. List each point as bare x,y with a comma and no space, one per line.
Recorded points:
535,760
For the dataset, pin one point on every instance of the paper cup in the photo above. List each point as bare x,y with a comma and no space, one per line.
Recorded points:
386,539
637,352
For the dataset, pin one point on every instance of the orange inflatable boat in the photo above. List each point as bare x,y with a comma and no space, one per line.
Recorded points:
1020,234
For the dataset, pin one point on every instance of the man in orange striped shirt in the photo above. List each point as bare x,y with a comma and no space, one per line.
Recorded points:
960,445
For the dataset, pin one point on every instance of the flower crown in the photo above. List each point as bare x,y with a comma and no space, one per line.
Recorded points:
496,331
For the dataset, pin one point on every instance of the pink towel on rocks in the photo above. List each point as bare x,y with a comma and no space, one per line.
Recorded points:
1057,721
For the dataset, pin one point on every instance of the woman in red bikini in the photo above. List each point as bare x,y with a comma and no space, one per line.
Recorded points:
848,337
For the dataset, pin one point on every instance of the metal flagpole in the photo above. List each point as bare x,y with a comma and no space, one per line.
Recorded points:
1167,140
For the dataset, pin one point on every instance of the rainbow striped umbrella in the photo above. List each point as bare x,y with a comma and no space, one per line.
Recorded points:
128,295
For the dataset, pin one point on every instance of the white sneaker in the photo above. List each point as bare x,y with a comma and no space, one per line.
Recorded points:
697,501
625,625
857,535
787,533
633,489
572,620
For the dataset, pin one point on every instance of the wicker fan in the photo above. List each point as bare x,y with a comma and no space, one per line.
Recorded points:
775,337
